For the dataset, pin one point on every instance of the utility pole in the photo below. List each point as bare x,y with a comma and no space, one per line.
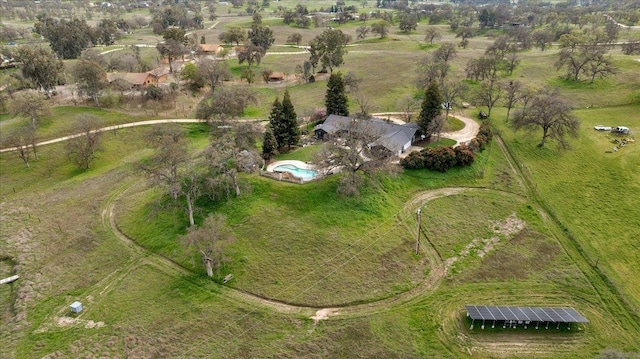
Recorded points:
419,213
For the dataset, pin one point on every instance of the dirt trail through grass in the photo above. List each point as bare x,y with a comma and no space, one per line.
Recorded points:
143,256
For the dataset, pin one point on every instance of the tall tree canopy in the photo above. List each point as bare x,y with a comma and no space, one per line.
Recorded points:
66,38
173,45
336,97
328,49
261,36
40,66
269,144
431,109
284,122
91,79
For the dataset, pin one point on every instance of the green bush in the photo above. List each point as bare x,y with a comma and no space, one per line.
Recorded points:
440,158
464,156
414,161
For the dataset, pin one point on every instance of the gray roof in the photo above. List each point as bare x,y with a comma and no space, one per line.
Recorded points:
390,135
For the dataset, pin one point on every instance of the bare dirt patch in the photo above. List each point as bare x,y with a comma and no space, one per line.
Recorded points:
323,314
71,322
509,227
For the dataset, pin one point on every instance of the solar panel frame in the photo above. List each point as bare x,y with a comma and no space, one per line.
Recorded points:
525,314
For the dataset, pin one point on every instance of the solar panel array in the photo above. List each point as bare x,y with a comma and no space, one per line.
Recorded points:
530,314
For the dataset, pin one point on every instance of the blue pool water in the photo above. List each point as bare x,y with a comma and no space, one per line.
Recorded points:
296,171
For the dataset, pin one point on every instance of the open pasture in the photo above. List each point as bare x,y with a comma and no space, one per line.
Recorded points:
522,226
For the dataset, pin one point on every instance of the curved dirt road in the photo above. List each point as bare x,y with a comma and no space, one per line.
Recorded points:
466,134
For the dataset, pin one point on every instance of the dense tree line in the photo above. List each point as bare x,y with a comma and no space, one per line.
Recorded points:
68,38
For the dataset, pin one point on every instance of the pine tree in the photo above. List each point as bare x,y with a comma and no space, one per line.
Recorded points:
276,123
289,121
336,98
431,108
269,144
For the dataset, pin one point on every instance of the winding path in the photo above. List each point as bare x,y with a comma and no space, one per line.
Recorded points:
124,125
465,134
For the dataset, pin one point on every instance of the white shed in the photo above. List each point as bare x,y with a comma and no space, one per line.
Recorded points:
76,307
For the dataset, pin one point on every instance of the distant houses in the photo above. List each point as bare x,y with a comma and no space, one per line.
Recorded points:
211,49
140,80
276,77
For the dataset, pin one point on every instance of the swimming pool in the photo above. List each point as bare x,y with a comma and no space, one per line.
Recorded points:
304,174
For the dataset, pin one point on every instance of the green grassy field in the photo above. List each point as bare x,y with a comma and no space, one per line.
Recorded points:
521,226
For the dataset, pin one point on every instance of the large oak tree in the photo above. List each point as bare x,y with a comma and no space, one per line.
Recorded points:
549,112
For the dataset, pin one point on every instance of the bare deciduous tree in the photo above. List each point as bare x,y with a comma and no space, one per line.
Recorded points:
225,103
408,105
488,94
452,92
165,167
214,73
232,150
513,92
20,139
432,33
585,54
82,149
358,151
549,112
445,52
209,241
33,106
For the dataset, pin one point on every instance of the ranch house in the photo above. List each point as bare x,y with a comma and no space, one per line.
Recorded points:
393,137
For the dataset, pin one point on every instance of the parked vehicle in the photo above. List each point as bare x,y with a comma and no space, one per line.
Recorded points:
620,130
602,128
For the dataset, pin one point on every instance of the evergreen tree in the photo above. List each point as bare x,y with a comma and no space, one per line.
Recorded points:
276,123
431,109
269,144
289,121
336,98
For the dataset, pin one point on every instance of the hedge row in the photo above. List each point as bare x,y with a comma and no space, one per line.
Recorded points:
443,158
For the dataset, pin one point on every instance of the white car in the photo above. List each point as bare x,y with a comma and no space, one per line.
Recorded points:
602,128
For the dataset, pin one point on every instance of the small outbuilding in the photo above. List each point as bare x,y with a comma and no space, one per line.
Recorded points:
211,49
276,77
76,307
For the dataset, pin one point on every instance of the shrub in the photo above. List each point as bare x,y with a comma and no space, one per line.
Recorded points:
413,161
110,100
464,155
485,130
153,93
440,158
